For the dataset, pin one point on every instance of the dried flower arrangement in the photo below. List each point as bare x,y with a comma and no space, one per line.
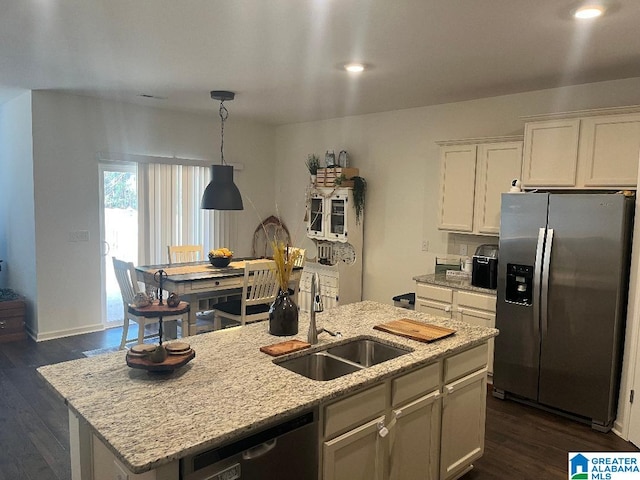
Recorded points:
285,259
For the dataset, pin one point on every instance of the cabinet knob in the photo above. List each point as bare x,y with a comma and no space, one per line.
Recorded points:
3,324
447,308
449,389
382,430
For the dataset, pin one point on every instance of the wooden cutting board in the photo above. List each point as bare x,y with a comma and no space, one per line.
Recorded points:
422,332
281,348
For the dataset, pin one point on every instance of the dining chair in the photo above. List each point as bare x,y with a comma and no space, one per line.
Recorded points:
299,262
126,276
185,253
259,290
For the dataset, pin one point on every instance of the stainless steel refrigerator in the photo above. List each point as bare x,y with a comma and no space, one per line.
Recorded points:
562,295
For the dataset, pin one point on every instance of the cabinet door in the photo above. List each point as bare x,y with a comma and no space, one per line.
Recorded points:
498,165
457,187
337,214
463,423
415,440
359,453
609,149
482,319
550,153
316,218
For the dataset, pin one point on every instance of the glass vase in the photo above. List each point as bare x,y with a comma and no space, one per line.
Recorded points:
283,316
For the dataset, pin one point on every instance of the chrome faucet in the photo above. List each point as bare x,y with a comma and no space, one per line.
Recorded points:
316,300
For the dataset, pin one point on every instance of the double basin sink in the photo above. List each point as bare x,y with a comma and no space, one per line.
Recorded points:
336,361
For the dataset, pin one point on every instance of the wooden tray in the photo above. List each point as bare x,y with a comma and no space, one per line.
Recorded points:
281,348
171,363
422,332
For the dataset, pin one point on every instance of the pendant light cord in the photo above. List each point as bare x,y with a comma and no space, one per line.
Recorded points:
224,114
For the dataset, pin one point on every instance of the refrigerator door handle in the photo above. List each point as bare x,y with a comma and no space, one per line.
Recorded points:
545,280
537,275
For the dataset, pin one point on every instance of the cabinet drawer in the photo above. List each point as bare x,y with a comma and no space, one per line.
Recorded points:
9,325
465,362
431,292
414,384
438,309
477,300
350,412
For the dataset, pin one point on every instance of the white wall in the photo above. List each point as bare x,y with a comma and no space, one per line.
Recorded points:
397,155
68,132
17,224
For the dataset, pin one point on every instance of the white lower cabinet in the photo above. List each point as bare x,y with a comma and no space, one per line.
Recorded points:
415,439
355,454
427,424
471,307
463,424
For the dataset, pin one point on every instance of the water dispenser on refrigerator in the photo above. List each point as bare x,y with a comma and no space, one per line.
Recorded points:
519,284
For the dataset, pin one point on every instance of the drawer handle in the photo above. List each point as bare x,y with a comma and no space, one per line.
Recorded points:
447,308
382,430
3,324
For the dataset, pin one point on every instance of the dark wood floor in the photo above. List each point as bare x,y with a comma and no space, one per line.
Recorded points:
521,442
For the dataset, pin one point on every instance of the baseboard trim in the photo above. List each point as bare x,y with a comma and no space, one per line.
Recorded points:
96,327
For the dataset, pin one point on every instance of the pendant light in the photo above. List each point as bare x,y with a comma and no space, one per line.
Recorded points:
222,193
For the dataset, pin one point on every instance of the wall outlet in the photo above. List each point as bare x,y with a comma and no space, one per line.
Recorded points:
79,236
425,245
463,250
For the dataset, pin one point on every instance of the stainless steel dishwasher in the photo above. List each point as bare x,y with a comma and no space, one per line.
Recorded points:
286,451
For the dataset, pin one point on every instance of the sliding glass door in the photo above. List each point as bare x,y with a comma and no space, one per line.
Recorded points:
119,231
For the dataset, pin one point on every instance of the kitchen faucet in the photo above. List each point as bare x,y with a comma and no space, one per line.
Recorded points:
316,306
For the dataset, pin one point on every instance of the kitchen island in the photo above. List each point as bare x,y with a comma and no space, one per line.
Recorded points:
130,421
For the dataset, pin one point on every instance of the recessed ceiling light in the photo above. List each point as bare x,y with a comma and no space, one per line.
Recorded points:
354,67
589,11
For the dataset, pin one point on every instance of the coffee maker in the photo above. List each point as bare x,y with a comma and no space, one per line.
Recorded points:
484,273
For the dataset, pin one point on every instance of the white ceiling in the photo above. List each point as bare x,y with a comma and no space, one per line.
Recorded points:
282,57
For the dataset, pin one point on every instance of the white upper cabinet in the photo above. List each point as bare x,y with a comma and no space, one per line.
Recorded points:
609,150
457,187
499,164
590,150
473,175
550,153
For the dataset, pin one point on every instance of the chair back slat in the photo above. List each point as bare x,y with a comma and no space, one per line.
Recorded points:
261,283
185,253
125,274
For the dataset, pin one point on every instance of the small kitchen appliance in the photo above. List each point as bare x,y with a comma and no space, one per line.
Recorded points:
484,273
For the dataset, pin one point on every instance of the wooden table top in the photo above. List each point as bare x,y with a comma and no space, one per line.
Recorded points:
156,310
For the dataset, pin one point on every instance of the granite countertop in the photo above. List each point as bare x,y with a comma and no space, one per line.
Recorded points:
442,281
230,388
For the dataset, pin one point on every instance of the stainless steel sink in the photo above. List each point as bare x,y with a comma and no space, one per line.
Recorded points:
349,357
366,352
319,366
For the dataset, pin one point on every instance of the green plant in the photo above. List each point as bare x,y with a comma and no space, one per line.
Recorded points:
338,181
312,163
359,193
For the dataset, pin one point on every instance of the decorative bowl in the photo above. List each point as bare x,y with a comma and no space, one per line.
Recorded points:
219,262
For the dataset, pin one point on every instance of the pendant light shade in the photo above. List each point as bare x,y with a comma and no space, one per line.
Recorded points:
222,193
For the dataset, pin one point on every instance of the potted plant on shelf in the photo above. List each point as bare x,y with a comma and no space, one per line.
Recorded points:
313,163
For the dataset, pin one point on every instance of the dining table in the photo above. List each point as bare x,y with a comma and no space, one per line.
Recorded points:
195,281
